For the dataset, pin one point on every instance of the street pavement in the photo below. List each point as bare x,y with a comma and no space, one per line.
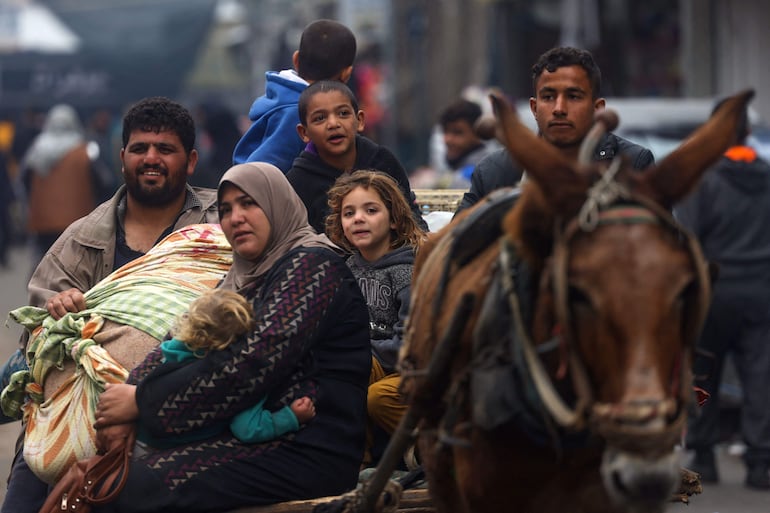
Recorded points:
13,283
729,496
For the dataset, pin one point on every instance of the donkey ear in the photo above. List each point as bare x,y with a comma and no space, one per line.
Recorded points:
678,173
562,186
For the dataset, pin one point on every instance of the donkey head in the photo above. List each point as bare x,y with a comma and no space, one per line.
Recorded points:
625,285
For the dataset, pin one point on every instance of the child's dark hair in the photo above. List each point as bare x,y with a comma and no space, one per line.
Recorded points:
323,86
406,233
326,48
159,114
563,56
460,110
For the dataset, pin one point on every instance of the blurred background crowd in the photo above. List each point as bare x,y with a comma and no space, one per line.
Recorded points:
663,62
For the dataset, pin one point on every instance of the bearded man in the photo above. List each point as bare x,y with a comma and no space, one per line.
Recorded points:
158,156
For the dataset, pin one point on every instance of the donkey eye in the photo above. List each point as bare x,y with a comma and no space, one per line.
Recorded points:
686,295
577,297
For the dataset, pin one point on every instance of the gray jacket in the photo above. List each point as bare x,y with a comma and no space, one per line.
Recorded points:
386,286
85,253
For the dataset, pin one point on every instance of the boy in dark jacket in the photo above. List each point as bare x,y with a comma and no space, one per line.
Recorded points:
330,122
326,52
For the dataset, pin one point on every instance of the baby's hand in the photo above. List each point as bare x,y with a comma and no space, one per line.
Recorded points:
303,408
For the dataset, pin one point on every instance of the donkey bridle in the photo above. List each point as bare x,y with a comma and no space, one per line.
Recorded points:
621,425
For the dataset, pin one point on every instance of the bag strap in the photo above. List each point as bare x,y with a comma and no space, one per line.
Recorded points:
93,481
107,474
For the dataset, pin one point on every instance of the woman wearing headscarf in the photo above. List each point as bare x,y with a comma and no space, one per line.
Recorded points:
56,173
311,337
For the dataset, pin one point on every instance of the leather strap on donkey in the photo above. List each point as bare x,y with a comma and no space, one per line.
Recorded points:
480,229
474,233
380,494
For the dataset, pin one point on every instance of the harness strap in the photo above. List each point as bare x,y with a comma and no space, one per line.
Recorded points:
473,234
640,210
430,391
571,418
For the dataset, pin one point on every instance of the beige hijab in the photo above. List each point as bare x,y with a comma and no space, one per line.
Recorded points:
287,215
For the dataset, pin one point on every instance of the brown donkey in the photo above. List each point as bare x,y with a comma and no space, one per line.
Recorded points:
560,322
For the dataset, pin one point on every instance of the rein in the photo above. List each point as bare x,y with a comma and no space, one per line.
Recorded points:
608,203
570,418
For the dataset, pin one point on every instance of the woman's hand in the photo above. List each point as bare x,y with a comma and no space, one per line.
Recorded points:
114,437
117,405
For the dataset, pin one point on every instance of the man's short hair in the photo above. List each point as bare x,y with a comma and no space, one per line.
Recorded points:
562,56
326,48
323,86
460,110
160,114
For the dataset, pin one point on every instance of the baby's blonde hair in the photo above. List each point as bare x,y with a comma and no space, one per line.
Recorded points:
214,320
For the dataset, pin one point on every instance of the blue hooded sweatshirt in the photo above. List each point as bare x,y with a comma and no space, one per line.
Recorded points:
273,136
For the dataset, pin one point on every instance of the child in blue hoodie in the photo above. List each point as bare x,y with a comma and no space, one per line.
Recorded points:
326,51
371,218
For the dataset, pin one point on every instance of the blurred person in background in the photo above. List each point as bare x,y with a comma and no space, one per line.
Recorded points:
464,149
368,83
27,127
728,212
219,135
7,193
56,175
7,197
104,161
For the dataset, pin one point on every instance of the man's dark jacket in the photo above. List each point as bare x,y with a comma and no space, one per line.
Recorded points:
498,170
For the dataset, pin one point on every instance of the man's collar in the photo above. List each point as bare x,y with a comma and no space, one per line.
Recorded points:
191,201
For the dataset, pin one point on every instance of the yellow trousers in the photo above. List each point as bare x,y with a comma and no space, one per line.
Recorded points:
384,404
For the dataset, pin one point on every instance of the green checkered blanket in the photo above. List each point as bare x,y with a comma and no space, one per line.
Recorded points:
148,294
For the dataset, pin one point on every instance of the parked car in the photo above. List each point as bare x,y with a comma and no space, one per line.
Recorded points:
661,124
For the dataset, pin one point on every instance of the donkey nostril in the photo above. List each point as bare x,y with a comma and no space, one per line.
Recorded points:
618,484
648,490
